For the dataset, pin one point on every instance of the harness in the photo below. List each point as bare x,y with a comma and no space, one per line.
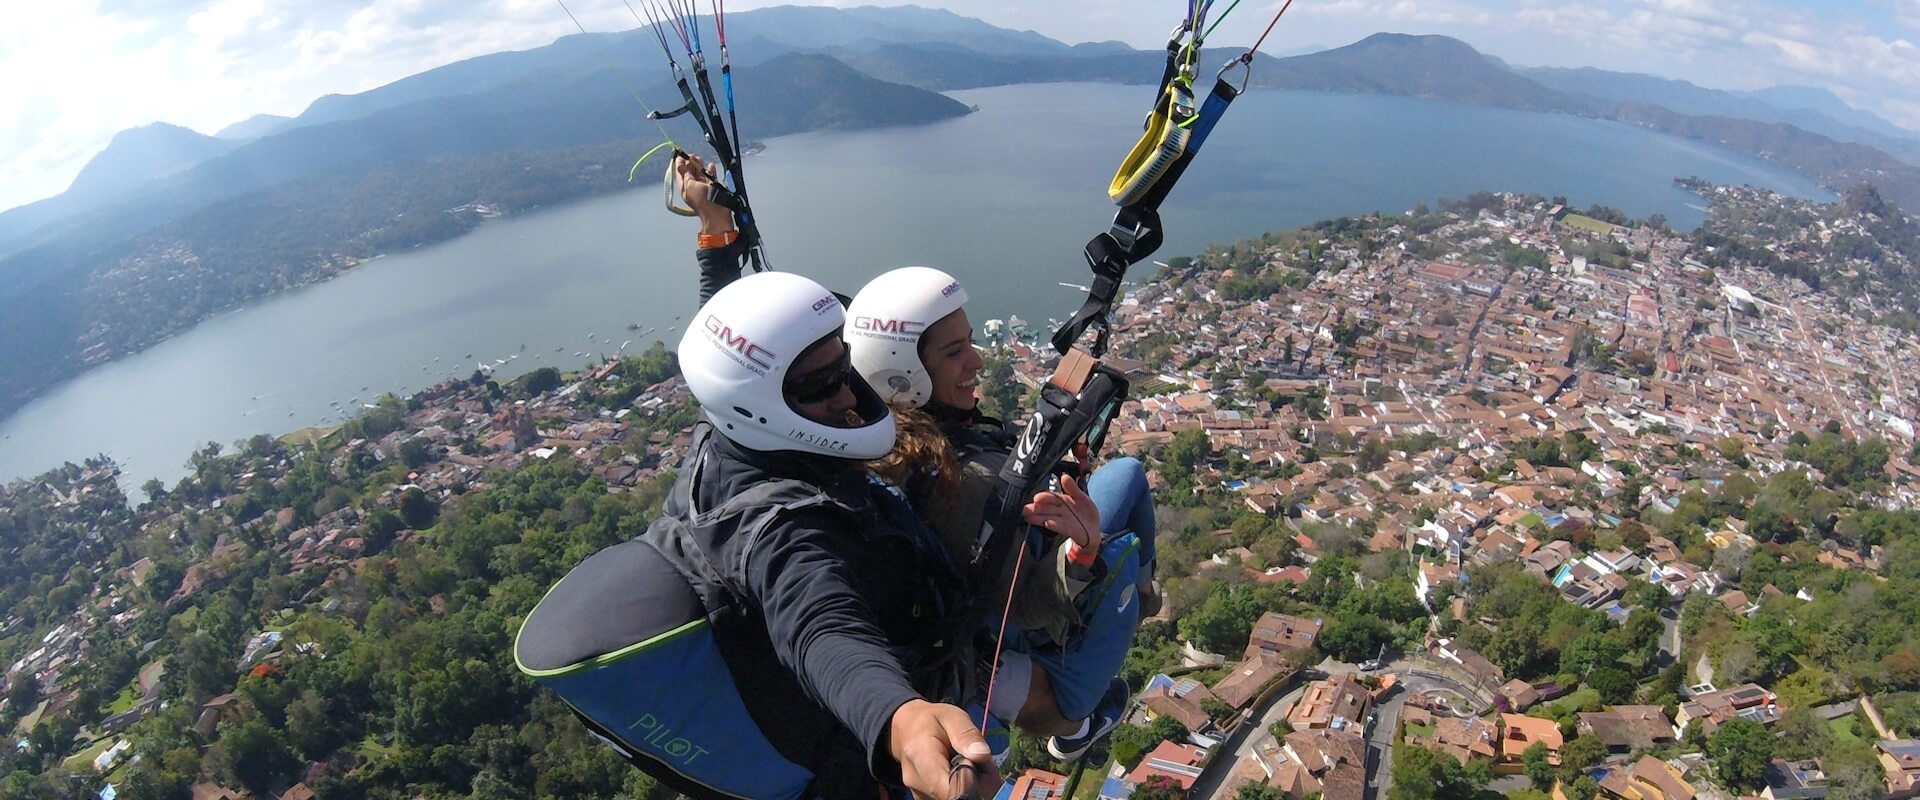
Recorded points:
1079,402
654,647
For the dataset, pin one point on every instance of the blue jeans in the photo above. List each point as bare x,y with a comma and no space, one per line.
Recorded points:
1081,669
1119,487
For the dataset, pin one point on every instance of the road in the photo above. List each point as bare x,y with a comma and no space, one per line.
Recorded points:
1820,364
1244,739
1387,722
1670,637
1380,745
1253,733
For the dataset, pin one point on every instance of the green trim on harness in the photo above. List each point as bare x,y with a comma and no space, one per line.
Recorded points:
1169,128
1107,585
604,659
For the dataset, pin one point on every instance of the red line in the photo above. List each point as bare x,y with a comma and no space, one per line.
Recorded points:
1263,36
999,641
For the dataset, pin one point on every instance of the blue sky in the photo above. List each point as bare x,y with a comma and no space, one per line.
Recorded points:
81,70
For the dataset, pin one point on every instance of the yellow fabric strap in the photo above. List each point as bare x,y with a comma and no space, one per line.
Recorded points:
672,190
1165,141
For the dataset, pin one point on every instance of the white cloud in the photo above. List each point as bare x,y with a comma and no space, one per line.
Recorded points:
98,66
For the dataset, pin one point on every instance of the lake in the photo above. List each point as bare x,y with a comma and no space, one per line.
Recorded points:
1004,198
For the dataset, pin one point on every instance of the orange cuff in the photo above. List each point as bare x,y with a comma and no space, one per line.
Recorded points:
708,240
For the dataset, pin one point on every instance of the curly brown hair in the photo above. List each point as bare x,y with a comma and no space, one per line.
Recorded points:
920,452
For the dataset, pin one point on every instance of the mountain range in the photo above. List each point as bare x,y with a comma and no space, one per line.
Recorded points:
286,180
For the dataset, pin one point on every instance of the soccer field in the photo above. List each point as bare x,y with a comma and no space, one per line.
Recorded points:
1586,223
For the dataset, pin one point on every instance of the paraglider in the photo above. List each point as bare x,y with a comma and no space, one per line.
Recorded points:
1072,419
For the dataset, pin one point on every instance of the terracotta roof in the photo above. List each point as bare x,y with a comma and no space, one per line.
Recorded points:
1249,677
1521,732
1179,763
1628,727
1275,633
1653,779
1335,702
1181,701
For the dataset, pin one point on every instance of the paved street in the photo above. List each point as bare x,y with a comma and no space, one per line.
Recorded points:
1380,744
1243,741
1252,733
1387,720
1670,637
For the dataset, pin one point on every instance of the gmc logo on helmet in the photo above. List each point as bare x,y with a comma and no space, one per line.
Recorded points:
951,288
883,325
724,334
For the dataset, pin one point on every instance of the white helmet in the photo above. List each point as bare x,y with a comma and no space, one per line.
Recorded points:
736,355
884,324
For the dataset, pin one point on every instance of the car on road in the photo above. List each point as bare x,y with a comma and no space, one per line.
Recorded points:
1370,665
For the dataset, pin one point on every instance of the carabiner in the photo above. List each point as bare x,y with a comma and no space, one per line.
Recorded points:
1245,61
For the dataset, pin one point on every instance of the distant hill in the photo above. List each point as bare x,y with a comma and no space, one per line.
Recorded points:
1807,109
756,36
279,211
546,110
1819,100
1438,67
1443,68
133,157
138,155
253,127
870,27
1835,165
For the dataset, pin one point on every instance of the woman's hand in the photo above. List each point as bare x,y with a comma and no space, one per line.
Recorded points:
1069,512
696,179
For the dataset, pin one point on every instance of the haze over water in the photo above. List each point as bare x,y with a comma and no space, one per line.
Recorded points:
1003,198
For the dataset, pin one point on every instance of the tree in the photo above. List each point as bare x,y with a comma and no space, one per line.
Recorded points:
1740,750
1583,788
540,381
1189,448
1802,734
1534,761
1588,653
1423,774
1580,753
1026,751
381,526
23,694
1280,728
1130,743
252,755
416,452
1260,791
1353,638
1159,787
1372,455
1613,684
310,727
417,510
1222,623
143,782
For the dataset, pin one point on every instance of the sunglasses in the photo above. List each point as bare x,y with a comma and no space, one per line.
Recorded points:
821,384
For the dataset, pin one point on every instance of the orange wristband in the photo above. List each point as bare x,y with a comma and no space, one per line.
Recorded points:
708,240
1081,556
